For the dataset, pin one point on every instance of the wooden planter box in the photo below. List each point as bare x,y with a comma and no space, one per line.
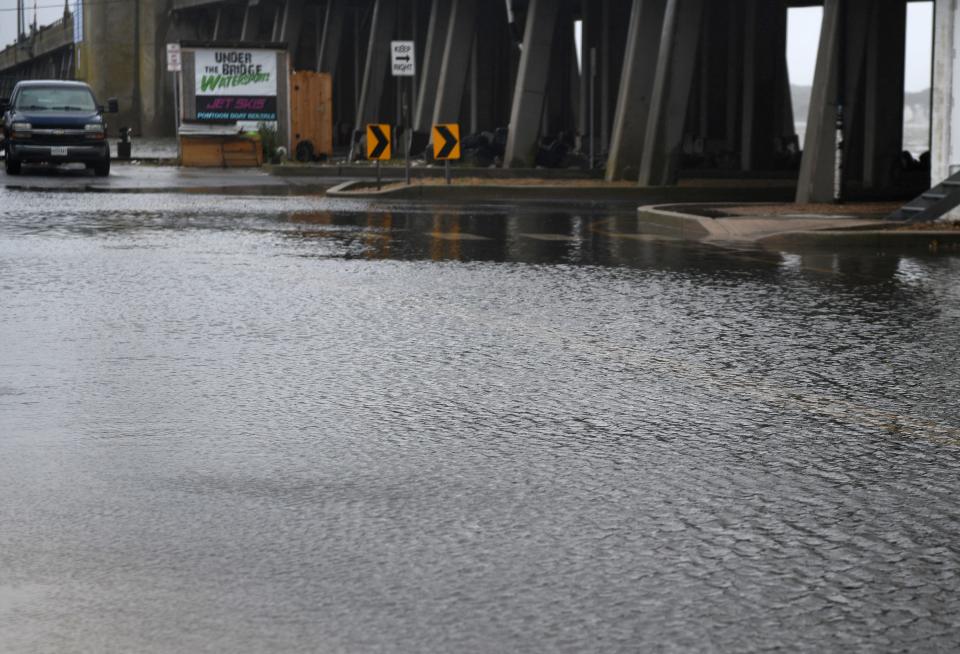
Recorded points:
235,151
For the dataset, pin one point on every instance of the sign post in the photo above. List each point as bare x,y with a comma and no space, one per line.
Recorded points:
446,146
593,90
175,66
403,63
378,146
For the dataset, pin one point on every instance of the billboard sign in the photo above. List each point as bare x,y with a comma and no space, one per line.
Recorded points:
236,84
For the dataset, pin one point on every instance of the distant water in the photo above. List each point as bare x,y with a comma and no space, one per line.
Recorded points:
916,137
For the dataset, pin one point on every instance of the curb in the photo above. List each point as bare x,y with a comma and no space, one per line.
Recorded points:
930,241
494,193
658,220
505,193
397,173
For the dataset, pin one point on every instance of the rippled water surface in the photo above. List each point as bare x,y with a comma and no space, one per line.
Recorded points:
249,424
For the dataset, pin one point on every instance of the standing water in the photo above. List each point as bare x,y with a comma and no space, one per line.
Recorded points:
250,424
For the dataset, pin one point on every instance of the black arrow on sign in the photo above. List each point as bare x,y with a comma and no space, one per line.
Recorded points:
450,142
407,58
382,142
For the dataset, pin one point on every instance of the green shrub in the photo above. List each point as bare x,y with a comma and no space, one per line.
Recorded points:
270,139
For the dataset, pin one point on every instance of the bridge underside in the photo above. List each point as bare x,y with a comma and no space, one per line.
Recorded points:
58,64
656,89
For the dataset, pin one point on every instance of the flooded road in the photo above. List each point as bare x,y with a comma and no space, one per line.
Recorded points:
252,424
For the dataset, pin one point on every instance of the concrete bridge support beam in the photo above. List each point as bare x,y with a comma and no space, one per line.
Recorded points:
945,113
456,59
843,36
606,26
251,22
156,96
636,86
766,105
859,21
816,183
714,120
614,25
559,114
431,60
591,13
331,36
383,22
219,23
734,76
226,27
286,29
787,117
676,60
530,90
885,72
491,69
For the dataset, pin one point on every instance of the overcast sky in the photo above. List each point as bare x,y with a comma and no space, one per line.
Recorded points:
805,33
801,47
47,12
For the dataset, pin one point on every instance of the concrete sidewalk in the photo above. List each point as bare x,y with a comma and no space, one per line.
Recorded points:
134,178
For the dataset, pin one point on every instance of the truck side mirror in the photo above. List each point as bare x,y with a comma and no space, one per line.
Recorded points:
113,106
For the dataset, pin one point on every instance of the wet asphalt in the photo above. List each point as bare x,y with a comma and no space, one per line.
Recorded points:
249,423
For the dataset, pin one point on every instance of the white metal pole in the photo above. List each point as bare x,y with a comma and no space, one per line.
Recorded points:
177,111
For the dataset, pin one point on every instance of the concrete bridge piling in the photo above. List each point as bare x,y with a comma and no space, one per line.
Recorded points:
650,86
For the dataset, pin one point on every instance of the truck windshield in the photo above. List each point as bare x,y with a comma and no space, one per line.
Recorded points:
52,98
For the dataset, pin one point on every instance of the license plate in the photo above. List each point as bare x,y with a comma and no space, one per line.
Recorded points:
58,152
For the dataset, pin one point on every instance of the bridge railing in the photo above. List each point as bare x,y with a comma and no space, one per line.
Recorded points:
47,39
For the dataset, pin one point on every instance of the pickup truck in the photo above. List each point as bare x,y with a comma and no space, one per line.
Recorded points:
55,122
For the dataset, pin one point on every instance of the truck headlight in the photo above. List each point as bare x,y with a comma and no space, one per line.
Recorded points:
94,131
21,130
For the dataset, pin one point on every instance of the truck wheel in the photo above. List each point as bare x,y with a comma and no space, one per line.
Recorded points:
102,168
11,165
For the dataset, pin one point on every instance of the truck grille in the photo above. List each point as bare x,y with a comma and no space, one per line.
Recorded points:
54,136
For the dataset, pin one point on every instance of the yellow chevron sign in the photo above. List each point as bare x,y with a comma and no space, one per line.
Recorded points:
378,143
446,142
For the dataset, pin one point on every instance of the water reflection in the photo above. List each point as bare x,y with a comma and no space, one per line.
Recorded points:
551,237
530,237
